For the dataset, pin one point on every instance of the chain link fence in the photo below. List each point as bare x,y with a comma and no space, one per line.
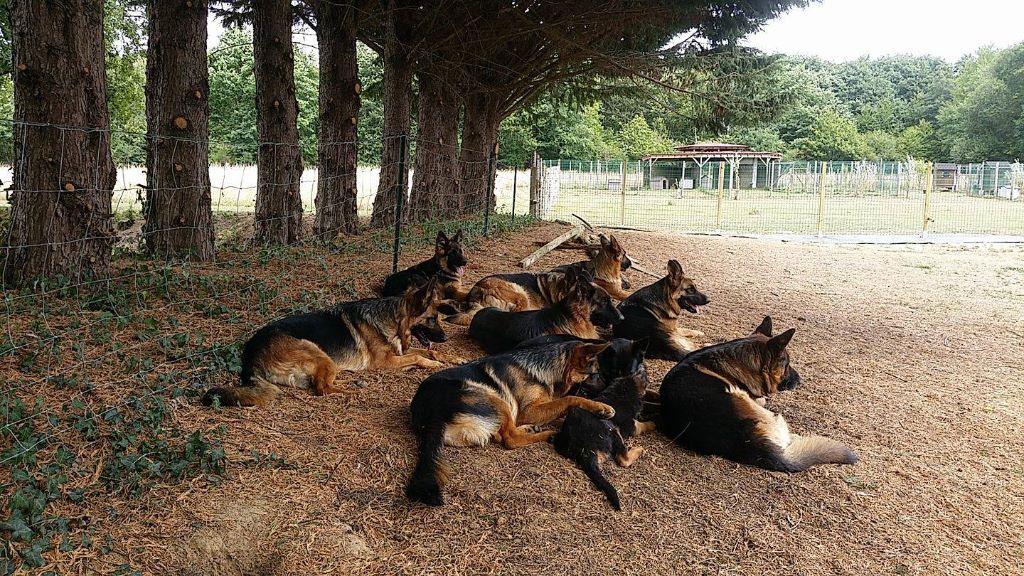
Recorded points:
770,197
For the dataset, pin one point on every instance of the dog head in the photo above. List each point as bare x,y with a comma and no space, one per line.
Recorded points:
591,300
609,258
581,364
449,254
775,365
418,310
621,359
682,290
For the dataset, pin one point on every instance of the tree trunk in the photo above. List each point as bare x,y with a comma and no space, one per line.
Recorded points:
339,112
435,187
179,220
61,220
479,136
278,202
397,117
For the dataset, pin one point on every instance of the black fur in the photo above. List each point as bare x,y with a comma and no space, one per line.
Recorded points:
647,313
497,331
616,361
583,435
447,250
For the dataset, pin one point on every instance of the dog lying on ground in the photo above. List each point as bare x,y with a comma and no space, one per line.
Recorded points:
584,307
606,264
619,359
653,312
309,349
589,441
524,291
447,264
712,403
501,398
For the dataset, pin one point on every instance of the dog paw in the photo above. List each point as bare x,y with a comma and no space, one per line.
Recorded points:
431,364
530,429
604,411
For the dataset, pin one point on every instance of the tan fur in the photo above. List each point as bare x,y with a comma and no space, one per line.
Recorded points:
289,361
643,427
630,457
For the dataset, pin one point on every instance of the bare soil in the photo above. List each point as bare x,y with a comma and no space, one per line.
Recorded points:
911,355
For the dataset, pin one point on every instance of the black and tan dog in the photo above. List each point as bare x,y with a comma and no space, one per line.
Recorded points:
619,359
309,349
712,403
589,441
448,264
607,261
653,312
524,291
585,307
501,398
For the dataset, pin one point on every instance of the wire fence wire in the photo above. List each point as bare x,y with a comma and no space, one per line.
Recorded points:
756,196
82,348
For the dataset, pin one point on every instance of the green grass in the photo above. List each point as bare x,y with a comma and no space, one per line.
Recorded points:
761,211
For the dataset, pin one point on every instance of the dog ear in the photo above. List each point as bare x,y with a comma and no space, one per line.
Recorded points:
675,269
604,241
616,248
765,327
778,343
418,300
441,240
458,236
584,353
592,252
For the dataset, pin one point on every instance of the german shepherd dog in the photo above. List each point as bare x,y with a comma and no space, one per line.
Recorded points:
618,360
585,307
309,349
712,403
589,441
653,312
500,398
448,264
524,291
607,261
517,292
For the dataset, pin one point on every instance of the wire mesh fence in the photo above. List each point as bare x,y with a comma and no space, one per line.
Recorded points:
98,359
770,197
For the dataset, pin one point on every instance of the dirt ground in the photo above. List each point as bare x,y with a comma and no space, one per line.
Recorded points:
911,355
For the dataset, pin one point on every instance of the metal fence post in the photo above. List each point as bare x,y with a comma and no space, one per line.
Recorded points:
399,196
927,198
491,177
721,196
821,198
622,203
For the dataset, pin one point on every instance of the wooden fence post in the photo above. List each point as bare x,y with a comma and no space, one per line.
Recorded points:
927,198
535,186
821,198
721,196
622,204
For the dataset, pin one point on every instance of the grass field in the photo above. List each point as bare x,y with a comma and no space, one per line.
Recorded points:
909,354
761,211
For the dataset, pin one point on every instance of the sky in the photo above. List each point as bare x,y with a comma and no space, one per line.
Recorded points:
841,30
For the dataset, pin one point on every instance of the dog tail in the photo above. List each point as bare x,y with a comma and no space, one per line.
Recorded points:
466,317
592,469
430,472
806,451
259,393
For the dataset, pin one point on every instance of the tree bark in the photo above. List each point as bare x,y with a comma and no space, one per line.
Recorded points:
61,221
398,72
179,219
339,112
279,161
435,188
479,136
